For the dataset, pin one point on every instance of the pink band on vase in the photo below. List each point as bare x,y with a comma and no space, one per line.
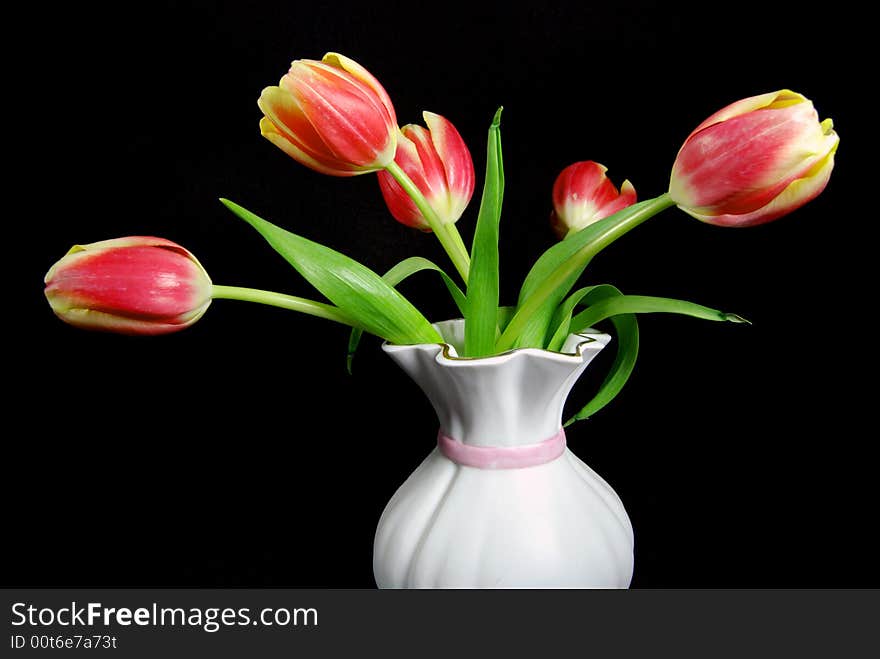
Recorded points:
502,457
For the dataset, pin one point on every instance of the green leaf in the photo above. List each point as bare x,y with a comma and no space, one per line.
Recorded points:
561,262
607,302
627,329
557,270
358,291
504,316
645,304
556,256
396,275
415,264
354,340
481,315
562,317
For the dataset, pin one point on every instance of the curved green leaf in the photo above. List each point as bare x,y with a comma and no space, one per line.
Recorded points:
351,286
562,317
627,329
607,302
504,316
646,304
554,257
393,277
415,264
557,270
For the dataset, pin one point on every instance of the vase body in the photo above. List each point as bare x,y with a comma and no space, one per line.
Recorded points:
556,524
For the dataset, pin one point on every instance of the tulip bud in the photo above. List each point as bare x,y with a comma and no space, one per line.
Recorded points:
134,285
583,194
332,116
754,161
437,160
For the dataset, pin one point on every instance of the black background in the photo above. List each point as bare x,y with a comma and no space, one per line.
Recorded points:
240,453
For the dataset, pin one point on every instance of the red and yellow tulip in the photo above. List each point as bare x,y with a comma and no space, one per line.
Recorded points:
582,194
438,162
332,116
754,161
134,285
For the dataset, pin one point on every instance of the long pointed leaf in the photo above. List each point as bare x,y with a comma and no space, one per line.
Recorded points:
607,302
415,264
627,329
482,292
562,317
351,286
393,277
647,304
504,316
558,269
561,255
562,251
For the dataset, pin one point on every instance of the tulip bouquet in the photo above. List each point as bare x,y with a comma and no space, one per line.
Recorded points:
749,163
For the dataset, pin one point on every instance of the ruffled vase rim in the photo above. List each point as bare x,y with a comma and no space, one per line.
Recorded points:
587,341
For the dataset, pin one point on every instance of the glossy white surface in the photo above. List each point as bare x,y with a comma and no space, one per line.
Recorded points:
555,525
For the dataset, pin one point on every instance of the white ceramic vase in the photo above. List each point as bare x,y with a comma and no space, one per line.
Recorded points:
552,524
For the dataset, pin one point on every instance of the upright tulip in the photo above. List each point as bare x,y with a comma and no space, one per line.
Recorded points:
332,116
134,285
582,194
754,161
437,160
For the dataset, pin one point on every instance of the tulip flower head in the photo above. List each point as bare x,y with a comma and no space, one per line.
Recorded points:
438,161
134,285
332,116
754,161
582,194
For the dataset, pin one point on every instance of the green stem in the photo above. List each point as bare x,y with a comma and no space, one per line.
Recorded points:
291,302
578,260
447,234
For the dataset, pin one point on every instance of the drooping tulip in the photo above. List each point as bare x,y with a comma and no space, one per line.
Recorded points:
133,285
582,194
438,161
754,161
332,116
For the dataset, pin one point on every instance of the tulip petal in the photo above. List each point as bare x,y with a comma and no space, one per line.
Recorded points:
271,133
285,113
627,197
286,126
795,195
583,194
433,175
345,117
401,205
132,241
89,319
584,186
334,80
457,162
87,249
774,100
359,72
141,241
